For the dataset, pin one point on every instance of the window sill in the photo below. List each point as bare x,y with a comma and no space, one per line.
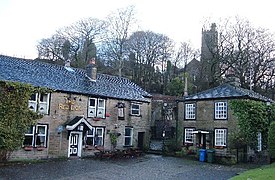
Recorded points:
129,146
220,147
90,147
135,115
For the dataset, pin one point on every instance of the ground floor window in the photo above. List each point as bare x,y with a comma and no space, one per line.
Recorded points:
128,136
188,135
36,136
95,136
220,137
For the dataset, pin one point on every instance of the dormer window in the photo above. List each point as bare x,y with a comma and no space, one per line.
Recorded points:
39,102
97,107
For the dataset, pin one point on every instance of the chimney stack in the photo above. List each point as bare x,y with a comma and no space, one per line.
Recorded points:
91,69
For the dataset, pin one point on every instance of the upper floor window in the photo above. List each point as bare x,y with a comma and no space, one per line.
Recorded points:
188,135
220,110
39,102
220,137
128,136
36,136
96,107
95,136
135,109
190,111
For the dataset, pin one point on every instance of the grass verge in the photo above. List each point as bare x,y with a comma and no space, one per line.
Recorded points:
265,172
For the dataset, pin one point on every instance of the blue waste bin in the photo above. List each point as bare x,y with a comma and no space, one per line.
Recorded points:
202,155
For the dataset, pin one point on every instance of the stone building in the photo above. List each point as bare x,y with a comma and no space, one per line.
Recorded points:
207,120
84,112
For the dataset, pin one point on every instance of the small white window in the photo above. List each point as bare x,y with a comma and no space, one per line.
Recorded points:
29,137
41,131
36,136
220,110
190,111
44,103
33,102
128,136
96,107
92,107
39,103
220,137
135,109
188,135
95,136
259,138
101,108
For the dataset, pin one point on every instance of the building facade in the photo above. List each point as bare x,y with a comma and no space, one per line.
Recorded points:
84,112
207,120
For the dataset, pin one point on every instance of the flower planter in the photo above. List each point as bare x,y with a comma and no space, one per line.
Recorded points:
40,148
28,148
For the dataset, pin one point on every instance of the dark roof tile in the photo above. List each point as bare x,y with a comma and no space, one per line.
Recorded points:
226,91
72,80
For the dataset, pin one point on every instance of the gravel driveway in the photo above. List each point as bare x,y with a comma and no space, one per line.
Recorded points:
142,168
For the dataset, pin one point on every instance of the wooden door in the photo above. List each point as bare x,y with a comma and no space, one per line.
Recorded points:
74,144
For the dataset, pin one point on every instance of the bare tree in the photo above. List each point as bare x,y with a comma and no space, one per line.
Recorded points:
78,39
244,51
115,46
151,51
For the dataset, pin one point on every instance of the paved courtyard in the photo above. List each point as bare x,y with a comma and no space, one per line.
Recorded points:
142,168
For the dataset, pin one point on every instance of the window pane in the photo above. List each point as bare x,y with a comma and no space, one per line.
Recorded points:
43,97
135,106
41,129
101,103
30,130
33,97
28,141
128,132
92,102
127,141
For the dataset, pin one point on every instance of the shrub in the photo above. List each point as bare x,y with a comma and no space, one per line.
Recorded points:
271,139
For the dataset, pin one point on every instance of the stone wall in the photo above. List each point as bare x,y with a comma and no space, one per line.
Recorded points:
65,107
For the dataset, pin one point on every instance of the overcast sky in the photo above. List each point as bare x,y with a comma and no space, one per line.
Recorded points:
24,22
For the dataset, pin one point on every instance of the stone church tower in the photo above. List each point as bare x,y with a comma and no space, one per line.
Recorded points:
209,62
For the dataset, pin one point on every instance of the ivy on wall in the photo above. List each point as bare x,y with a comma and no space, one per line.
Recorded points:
15,116
253,117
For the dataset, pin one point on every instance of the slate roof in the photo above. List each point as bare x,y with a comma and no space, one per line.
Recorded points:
226,91
59,78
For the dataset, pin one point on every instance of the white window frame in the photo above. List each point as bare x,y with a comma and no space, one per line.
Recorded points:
33,103
35,134
135,109
94,132
31,135
188,134
221,110
259,139
38,134
190,111
99,111
128,136
220,137
41,107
